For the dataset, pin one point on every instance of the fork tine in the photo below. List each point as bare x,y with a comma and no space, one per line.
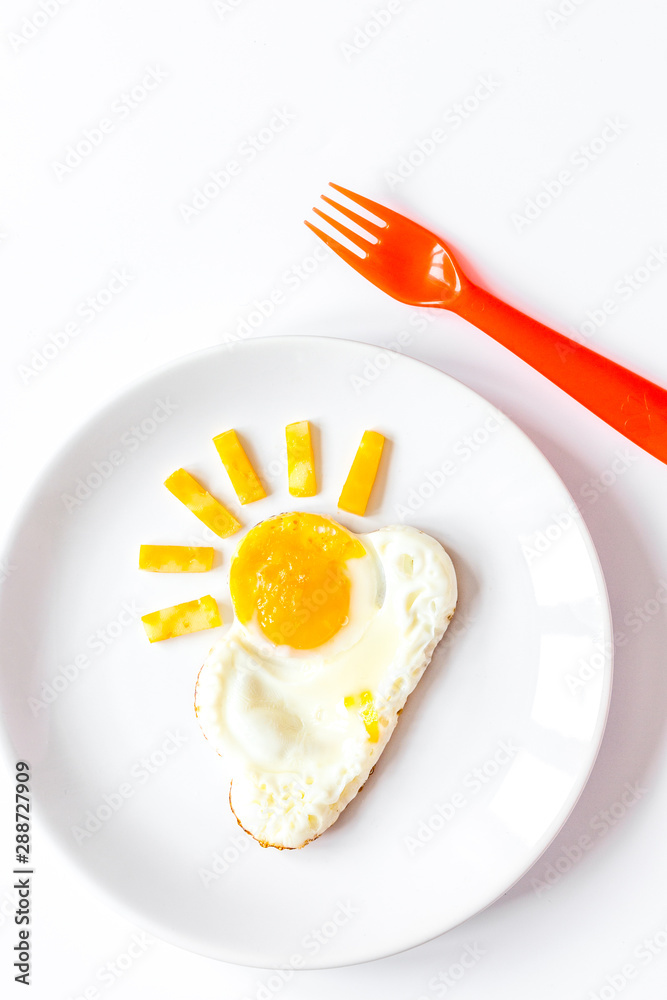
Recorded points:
355,238
358,263
370,227
381,211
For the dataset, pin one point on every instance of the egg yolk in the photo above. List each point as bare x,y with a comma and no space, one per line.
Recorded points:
290,572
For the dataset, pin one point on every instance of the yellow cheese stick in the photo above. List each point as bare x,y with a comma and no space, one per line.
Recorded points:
300,460
367,712
176,558
244,478
193,616
209,510
359,483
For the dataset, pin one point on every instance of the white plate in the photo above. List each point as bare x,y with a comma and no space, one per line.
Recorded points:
494,746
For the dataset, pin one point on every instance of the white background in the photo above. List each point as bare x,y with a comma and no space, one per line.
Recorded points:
360,105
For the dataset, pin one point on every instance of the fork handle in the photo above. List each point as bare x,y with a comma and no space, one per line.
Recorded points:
629,403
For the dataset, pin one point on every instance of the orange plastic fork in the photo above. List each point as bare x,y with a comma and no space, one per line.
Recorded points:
416,266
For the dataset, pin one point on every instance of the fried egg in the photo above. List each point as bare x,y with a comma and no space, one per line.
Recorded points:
332,633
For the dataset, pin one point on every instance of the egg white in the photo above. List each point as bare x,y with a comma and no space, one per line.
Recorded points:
296,754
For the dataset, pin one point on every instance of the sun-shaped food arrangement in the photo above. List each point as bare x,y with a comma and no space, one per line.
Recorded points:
332,632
